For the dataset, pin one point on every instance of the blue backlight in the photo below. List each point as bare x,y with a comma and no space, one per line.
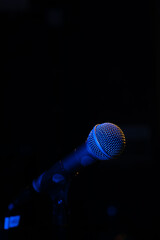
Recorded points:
14,221
6,223
11,222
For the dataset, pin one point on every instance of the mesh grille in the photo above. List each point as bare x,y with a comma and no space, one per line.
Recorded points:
110,138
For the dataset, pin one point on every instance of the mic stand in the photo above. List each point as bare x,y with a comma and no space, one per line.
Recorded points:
60,211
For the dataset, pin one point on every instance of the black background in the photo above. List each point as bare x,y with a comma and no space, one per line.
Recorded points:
64,68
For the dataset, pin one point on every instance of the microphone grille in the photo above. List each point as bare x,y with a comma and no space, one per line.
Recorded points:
106,141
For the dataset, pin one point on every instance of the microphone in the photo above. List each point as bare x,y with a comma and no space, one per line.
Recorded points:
105,141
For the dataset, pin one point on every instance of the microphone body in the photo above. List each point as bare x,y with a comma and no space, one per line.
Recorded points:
56,176
105,141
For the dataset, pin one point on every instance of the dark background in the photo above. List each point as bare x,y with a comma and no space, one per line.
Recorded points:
64,68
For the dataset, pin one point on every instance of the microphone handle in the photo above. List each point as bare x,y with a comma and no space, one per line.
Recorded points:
62,169
56,176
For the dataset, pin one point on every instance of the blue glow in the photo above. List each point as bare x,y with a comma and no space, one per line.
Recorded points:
10,206
6,223
14,221
11,222
111,211
60,201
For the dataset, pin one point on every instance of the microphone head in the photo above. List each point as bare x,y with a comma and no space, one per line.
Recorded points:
106,141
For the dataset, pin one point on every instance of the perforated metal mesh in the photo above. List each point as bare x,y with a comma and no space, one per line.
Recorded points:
106,141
